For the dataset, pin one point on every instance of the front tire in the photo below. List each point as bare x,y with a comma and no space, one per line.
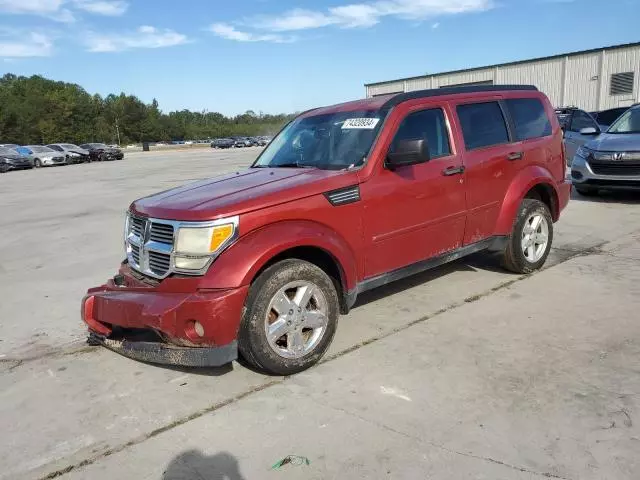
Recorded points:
37,163
289,319
531,238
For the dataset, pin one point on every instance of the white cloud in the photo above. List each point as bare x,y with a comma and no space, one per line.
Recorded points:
36,7
229,32
435,25
61,10
26,45
112,8
365,14
144,37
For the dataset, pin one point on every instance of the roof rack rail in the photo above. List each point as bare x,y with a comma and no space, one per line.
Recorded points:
436,92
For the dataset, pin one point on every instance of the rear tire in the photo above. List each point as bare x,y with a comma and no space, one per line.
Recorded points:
289,319
531,238
586,191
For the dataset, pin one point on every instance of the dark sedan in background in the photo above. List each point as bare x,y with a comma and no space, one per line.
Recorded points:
223,143
12,160
99,152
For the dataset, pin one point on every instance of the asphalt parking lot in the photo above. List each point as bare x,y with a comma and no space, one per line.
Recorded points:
462,372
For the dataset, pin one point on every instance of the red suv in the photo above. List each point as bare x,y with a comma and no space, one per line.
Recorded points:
346,198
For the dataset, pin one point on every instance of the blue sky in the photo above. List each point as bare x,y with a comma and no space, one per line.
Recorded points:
287,55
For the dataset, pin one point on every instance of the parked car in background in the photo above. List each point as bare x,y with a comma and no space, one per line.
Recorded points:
42,156
348,198
611,161
11,146
73,153
579,127
12,160
223,143
605,118
99,152
243,142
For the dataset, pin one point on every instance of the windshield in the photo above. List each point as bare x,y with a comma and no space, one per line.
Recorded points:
629,122
69,146
332,141
41,149
7,151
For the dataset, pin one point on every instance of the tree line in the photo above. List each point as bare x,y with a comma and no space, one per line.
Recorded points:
36,110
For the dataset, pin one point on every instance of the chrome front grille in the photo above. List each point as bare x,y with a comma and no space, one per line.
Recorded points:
159,263
137,226
149,246
161,232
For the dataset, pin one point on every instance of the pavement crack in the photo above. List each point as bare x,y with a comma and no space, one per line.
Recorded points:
430,443
158,431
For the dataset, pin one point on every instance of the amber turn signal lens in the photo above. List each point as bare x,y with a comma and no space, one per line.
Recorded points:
220,235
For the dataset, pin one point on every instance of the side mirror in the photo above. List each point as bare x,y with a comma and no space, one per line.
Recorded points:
408,152
589,131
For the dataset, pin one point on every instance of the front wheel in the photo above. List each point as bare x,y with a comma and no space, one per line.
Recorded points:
289,319
37,163
531,238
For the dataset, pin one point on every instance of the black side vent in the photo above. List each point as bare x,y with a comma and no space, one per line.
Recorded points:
343,195
622,83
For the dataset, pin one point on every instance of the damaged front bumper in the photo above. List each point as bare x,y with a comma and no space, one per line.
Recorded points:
167,354
172,322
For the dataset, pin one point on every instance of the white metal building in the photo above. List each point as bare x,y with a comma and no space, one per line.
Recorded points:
592,79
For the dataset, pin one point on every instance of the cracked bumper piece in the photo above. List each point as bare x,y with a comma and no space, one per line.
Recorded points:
170,323
167,354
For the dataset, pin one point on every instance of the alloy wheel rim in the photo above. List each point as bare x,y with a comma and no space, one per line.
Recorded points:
296,319
535,237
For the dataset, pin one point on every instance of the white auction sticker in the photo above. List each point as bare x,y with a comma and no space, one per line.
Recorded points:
360,123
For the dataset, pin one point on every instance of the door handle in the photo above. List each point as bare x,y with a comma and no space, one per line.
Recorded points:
453,171
515,156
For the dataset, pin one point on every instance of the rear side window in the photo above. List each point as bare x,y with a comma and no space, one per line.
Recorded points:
426,125
581,120
529,118
482,124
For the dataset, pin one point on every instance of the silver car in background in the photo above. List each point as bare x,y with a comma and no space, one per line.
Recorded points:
42,156
578,127
612,160
73,153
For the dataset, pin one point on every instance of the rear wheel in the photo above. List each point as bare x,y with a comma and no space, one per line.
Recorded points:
289,319
531,238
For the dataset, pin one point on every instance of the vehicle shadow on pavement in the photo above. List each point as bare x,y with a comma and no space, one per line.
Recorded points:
193,464
479,261
608,196
202,371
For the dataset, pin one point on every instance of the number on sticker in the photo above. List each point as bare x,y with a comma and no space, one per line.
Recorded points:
360,123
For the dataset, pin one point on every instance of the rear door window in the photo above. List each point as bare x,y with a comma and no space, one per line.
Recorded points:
426,125
483,125
529,118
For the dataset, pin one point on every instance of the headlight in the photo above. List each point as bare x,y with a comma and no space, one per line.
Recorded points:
195,246
584,152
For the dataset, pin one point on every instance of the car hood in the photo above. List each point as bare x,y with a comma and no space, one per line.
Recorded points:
79,151
616,142
240,192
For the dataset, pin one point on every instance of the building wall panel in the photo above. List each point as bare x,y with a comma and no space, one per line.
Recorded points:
544,74
619,61
581,81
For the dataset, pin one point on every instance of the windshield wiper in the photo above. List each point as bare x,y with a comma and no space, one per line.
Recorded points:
292,165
